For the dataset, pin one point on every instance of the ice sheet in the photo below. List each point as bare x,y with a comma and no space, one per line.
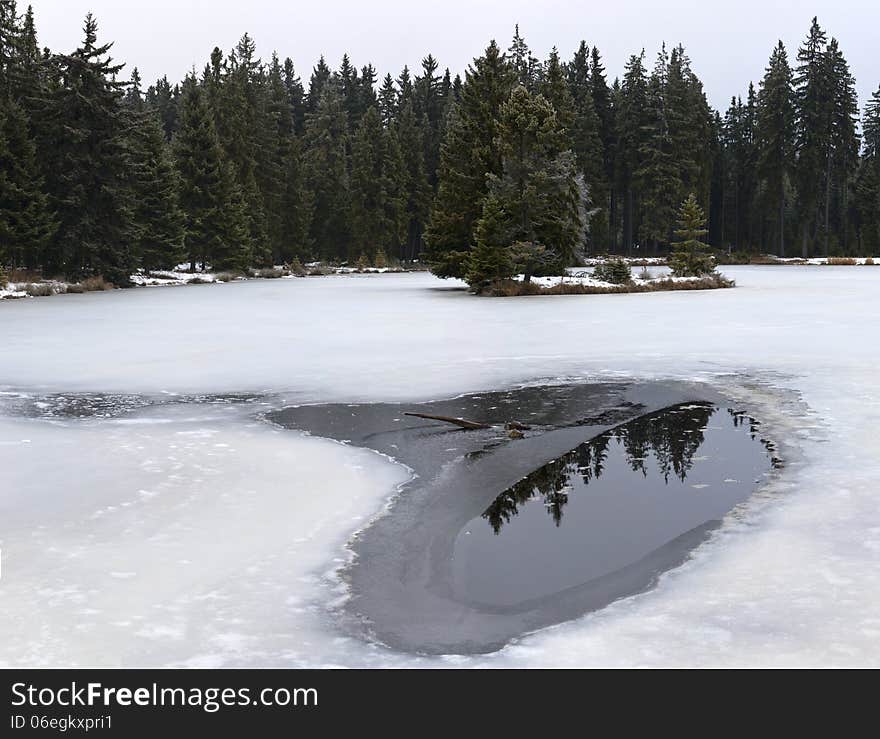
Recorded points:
795,580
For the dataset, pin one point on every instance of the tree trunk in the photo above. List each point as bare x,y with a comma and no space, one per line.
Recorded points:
782,219
461,422
827,197
628,221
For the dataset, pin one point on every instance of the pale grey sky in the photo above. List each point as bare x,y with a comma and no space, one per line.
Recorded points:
729,43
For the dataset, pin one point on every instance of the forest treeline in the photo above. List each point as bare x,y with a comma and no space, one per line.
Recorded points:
243,165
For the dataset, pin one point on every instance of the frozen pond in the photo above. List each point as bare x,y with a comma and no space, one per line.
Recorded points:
150,516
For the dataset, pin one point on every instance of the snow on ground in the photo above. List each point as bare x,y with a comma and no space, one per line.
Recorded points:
195,534
581,276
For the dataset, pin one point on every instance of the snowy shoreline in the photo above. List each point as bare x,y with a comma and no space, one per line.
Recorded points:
15,290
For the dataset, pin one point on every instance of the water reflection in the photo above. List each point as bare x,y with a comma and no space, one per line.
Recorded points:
666,441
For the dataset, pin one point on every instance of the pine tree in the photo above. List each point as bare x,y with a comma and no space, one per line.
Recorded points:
468,154
775,135
689,257
159,239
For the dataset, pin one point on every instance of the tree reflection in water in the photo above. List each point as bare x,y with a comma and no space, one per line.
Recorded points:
671,437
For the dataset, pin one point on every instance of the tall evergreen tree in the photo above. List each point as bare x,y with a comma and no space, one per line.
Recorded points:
417,188
868,182
326,174
216,230
631,126
658,175
602,104
775,130
524,65
841,158
367,206
468,154
26,224
586,138
812,137
87,164
537,191
159,222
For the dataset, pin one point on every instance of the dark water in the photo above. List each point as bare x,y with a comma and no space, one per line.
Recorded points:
608,504
613,485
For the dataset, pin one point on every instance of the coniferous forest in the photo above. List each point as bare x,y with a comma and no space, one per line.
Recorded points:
242,164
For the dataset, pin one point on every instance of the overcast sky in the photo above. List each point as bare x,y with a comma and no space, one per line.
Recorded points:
729,43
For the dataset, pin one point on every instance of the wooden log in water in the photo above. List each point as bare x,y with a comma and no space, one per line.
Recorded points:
460,422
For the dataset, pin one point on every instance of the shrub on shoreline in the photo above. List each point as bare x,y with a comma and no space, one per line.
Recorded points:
615,271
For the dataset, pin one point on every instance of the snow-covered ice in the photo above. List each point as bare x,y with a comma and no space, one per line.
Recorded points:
191,533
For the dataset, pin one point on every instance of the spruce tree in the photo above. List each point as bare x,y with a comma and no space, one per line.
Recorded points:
395,219
841,158
26,224
162,97
159,222
537,190
631,126
296,207
812,134
868,181
326,175
387,100
588,147
417,189
658,176
321,75
215,231
603,105
468,154
524,65
490,260
367,206
775,136
86,163
296,96
690,257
